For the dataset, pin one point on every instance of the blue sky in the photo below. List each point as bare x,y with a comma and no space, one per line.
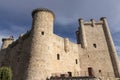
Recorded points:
15,16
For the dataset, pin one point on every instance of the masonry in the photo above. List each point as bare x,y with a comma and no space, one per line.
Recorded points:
40,54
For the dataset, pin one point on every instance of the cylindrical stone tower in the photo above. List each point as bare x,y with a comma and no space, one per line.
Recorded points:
6,42
42,29
112,50
82,35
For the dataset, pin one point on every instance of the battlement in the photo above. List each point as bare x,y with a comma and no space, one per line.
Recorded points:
42,10
7,42
5,39
92,22
86,28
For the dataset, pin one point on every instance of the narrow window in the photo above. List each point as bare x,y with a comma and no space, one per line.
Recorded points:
88,56
95,46
76,61
58,57
42,33
99,71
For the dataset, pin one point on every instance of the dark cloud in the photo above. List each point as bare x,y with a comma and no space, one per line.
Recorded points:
66,31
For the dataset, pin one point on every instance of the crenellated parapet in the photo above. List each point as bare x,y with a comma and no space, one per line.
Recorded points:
91,22
42,10
81,33
6,42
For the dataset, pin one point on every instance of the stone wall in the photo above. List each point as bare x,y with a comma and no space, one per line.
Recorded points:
68,62
17,57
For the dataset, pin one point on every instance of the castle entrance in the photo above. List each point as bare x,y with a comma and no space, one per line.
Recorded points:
90,71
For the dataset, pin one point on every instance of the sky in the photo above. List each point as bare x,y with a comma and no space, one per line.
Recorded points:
15,16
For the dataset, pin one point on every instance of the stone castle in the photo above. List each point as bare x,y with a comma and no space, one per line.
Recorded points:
40,54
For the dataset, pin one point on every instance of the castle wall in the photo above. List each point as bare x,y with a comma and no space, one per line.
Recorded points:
2,56
17,56
67,61
6,42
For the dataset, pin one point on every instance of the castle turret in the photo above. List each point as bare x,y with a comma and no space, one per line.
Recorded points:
66,45
6,42
112,50
42,29
81,34
96,38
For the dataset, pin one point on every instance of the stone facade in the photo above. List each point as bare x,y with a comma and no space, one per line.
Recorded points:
40,54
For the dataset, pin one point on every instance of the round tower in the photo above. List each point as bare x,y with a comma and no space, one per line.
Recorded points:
42,30
6,42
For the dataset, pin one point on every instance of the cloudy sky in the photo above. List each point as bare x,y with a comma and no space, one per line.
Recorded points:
15,16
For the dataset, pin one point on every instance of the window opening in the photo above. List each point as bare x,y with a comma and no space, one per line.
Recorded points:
99,71
95,46
58,57
42,33
76,61
88,56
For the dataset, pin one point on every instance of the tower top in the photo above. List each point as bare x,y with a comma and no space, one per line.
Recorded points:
42,10
102,18
10,38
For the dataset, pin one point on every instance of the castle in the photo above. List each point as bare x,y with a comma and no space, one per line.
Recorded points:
40,54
